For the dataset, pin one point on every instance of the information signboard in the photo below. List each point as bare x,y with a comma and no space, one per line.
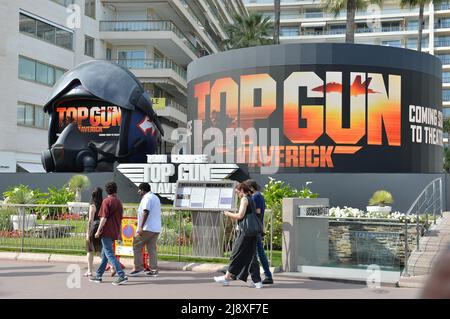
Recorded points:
129,226
205,196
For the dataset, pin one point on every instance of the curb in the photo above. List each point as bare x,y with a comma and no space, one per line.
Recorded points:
127,262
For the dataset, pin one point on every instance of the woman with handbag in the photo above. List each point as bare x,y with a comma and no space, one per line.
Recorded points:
93,245
243,256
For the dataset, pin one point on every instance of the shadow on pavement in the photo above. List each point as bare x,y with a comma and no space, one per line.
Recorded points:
30,274
26,267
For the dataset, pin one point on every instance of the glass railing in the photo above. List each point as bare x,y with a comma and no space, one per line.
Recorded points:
147,25
442,6
176,105
342,14
445,43
359,30
445,78
152,64
445,96
442,25
444,59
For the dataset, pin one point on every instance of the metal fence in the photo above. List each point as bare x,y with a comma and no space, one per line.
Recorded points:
62,229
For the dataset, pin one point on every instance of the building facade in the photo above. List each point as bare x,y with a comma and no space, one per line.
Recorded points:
307,21
42,39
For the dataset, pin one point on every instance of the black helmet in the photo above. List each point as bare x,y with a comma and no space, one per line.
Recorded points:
99,113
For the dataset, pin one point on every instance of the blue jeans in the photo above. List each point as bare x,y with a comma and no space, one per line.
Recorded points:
108,255
262,257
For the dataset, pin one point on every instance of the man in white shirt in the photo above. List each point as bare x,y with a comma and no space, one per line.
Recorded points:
149,227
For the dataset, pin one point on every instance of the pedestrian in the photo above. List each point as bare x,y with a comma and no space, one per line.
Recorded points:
260,205
243,256
149,227
93,245
111,213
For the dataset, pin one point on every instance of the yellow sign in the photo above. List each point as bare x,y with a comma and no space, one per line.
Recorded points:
159,103
129,226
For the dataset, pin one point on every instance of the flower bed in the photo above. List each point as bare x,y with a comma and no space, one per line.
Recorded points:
349,212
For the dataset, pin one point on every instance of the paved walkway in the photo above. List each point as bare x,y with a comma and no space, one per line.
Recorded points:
431,245
30,279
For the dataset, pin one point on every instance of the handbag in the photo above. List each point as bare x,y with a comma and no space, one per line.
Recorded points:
251,225
93,228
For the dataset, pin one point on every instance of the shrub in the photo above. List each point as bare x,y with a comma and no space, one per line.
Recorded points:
5,218
273,193
20,194
381,198
55,197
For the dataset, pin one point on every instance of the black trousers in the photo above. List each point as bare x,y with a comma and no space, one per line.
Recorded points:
243,259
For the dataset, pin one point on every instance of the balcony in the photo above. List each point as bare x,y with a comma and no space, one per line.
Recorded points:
442,6
358,30
442,44
442,25
163,34
173,111
153,69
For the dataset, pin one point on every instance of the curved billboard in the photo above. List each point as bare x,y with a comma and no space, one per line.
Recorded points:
319,108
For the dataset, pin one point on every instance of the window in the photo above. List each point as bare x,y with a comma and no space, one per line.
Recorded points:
313,13
412,25
58,73
64,39
289,31
64,2
27,25
31,115
44,31
446,95
88,46
27,69
45,74
446,111
445,77
89,8
442,41
132,59
445,58
39,72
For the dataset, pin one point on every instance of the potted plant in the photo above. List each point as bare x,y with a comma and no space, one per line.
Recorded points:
21,195
77,184
380,201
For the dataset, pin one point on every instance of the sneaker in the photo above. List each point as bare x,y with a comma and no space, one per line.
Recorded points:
221,279
267,281
135,273
120,281
257,285
95,279
152,273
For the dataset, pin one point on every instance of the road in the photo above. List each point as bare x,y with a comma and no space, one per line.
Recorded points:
21,279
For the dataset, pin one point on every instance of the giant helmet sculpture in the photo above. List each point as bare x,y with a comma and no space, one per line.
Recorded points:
99,114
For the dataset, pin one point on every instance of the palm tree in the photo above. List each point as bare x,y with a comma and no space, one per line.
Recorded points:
249,31
421,4
336,6
78,183
276,27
